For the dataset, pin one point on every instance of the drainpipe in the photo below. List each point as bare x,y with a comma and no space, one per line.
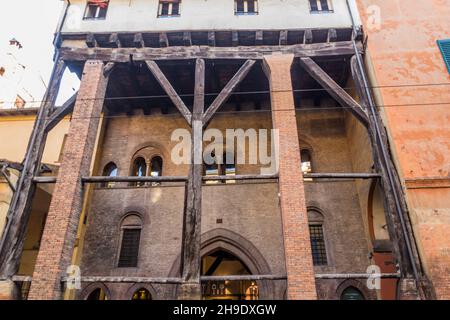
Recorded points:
384,152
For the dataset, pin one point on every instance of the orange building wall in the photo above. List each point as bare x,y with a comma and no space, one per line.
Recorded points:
403,51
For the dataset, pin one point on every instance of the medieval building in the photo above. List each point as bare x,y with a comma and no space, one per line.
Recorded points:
232,149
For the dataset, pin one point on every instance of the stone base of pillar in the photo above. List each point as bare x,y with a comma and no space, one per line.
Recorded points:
9,290
407,289
190,291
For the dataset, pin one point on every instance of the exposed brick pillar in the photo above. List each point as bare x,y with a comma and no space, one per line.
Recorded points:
61,226
297,247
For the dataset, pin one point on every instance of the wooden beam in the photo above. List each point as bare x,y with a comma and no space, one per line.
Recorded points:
122,55
249,277
339,94
259,37
226,92
308,37
190,255
13,236
332,35
344,176
187,40
283,37
241,177
234,38
90,40
163,40
211,38
60,113
138,40
108,68
359,83
114,40
165,84
134,179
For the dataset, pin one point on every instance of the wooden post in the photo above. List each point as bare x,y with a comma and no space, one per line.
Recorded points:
13,237
191,258
397,218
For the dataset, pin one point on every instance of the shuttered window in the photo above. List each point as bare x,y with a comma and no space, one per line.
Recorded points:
444,45
130,248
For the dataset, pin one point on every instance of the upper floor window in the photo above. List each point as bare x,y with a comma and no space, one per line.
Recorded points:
156,166
321,6
169,8
306,160
139,169
110,170
245,7
96,9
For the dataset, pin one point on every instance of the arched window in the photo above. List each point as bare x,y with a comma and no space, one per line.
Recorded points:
142,294
306,161
97,294
156,166
139,169
316,233
223,167
110,170
131,235
228,166
351,293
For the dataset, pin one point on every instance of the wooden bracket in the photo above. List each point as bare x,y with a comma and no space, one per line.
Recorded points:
339,94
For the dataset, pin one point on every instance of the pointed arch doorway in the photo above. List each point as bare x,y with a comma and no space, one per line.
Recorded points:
223,263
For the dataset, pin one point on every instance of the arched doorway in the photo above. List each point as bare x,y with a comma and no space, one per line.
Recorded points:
223,263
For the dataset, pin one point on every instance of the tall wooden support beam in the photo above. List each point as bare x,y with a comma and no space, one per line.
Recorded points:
413,283
61,227
297,246
165,84
13,237
226,92
193,197
339,94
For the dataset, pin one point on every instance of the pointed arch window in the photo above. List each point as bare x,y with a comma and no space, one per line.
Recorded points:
142,294
351,293
97,294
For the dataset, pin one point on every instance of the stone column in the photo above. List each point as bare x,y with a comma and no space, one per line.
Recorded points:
61,226
297,246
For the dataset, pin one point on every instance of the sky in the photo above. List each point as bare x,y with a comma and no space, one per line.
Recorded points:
33,23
